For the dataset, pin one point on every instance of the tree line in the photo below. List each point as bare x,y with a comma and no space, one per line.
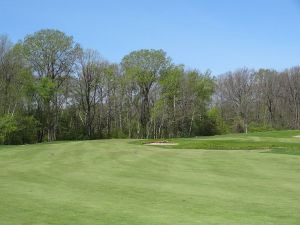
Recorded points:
53,89
264,99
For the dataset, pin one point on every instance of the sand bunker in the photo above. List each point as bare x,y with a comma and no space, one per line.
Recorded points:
160,143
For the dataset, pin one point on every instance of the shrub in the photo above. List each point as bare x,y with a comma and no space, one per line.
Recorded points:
18,129
212,124
7,126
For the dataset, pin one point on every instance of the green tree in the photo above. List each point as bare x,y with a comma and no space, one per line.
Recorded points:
198,89
13,76
145,67
170,85
51,54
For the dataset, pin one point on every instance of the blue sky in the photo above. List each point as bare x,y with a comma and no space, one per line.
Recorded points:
204,34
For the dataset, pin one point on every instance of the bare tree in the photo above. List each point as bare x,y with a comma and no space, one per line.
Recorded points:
89,80
236,91
291,93
267,93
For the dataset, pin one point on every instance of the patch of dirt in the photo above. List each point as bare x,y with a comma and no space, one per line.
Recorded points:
160,143
298,136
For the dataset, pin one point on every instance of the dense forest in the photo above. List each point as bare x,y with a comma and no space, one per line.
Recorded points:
53,89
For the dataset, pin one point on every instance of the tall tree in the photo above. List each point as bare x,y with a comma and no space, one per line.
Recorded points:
170,84
145,66
89,80
52,55
267,93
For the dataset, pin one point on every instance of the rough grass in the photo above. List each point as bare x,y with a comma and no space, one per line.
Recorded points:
115,182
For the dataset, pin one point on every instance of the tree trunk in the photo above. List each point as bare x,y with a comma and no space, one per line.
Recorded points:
145,113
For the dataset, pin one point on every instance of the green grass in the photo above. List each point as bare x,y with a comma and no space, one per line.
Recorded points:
276,141
116,182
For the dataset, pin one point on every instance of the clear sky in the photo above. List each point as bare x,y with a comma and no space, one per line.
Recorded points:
220,35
